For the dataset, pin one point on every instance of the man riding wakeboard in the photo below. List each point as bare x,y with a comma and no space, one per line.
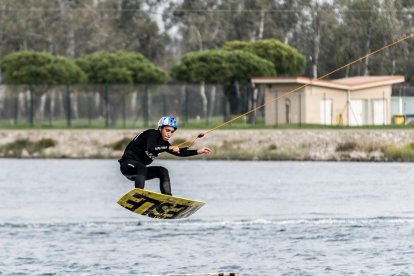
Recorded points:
145,147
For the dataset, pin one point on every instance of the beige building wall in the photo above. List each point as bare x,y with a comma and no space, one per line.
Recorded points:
315,95
305,105
370,96
284,108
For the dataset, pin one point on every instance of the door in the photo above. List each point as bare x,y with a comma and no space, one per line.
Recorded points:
356,114
379,111
326,112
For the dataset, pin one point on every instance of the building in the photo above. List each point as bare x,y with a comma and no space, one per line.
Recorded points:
402,104
351,101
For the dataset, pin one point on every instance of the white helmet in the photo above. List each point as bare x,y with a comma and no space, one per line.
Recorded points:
168,121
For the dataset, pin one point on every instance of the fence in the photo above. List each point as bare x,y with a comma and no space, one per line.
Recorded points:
139,106
121,106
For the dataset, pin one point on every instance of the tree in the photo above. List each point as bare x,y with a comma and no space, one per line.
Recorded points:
221,67
369,25
34,68
197,28
249,20
119,68
39,70
363,17
201,25
134,24
286,60
316,35
406,56
75,28
229,68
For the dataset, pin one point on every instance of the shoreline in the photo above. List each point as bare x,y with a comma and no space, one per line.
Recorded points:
365,145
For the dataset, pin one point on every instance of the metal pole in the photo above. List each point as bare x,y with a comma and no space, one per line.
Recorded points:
107,105
348,106
277,110
16,108
324,109
208,109
400,102
405,104
123,110
146,109
89,110
223,100
69,107
186,107
384,109
50,111
31,106
300,109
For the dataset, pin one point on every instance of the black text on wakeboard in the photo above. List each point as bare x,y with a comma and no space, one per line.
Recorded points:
157,205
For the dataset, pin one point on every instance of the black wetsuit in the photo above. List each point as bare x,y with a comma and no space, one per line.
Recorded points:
141,151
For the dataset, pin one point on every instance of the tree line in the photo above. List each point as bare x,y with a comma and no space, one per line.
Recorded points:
326,33
231,67
236,62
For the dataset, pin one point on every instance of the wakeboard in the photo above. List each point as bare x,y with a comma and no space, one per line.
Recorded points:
156,205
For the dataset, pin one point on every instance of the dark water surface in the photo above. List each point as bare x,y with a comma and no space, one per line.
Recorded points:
60,217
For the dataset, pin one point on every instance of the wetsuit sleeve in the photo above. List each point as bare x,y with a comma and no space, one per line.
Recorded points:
184,152
153,147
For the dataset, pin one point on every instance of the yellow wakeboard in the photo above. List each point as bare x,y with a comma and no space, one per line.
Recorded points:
155,205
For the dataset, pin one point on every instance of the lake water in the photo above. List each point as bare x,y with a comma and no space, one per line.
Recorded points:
60,217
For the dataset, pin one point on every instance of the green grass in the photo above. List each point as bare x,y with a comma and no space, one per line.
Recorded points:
347,146
16,148
400,153
374,146
139,123
272,147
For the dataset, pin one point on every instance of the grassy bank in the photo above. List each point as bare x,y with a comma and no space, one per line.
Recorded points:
230,150
26,148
